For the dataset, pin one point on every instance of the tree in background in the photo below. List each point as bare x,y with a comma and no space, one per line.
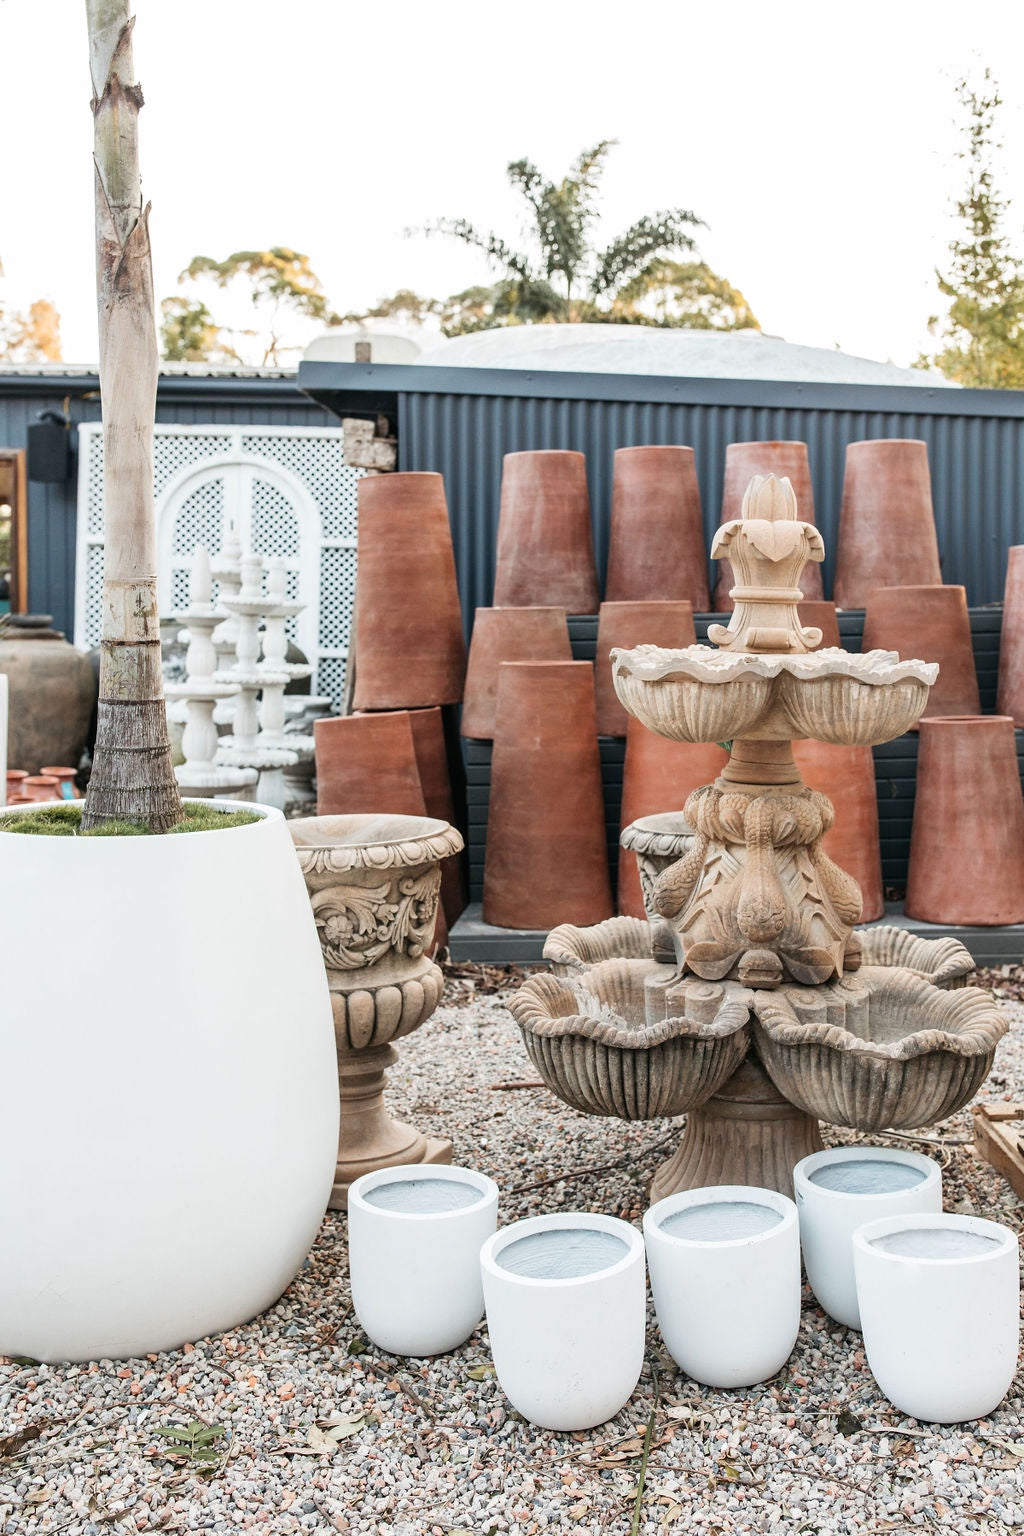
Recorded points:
983,329
32,335
278,282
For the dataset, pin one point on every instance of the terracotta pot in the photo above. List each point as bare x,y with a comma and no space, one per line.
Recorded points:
1010,695
546,859
847,776
52,693
656,550
821,615
967,841
41,786
428,738
410,648
657,776
628,624
742,462
545,541
64,776
15,778
887,532
928,624
507,634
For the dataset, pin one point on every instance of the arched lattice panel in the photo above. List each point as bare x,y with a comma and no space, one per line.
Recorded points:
198,520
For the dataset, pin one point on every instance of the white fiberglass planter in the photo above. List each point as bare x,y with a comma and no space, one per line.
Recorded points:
170,1124
940,1308
837,1191
414,1239
725,1273
566,1305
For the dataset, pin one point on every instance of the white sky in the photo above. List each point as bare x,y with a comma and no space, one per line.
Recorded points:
817,138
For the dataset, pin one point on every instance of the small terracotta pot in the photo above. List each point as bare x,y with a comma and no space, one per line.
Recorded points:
821,615
928,624
546,859
847,776
545,541
15,779
742,462
410,649
64,776
41,786
657,776
967,841
507,634
656,550
628,624
1010,695
887,532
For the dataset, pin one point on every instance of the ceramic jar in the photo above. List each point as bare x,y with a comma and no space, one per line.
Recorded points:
52,693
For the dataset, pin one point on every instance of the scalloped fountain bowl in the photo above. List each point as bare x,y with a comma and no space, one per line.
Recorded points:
628,1038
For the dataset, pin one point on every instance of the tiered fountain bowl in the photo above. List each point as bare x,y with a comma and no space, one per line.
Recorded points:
749,1000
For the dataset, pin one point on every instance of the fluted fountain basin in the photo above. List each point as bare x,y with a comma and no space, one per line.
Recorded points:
945,962
884,1049
699,695
629,1038
570,950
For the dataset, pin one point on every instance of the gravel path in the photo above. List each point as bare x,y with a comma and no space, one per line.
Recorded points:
311,1429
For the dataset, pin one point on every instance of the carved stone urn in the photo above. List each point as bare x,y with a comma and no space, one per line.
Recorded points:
373,882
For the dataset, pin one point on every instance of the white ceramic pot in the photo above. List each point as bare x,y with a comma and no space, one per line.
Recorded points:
837,1191
171,1120
939,1302
3,738
566,1304
414,1239
725,1273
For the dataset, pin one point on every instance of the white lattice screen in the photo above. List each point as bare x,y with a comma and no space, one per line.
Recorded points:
289,492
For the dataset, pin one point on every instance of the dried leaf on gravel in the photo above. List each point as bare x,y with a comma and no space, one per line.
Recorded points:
11,1444
848,1422
481,1372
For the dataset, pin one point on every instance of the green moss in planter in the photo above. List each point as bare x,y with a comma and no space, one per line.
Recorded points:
64,820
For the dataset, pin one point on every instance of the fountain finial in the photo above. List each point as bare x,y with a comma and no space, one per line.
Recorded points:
768,546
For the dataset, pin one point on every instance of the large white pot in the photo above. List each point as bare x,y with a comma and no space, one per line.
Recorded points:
414,1239
725,1275
170,1122
566,1305
837,1191
941,1326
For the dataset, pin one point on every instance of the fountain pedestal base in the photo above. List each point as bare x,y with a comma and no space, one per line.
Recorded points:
370,1138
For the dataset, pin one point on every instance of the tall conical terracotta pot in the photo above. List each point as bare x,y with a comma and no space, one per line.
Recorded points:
742,462
625,625
656,550
1010,695
546,860
821,615
435,771
887,534
545,540
507,634
410,649
657,776
967,842
928,624
847,776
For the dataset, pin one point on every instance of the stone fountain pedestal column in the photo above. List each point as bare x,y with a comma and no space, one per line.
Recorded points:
373,882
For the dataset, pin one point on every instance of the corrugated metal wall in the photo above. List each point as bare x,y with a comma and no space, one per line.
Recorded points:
52,511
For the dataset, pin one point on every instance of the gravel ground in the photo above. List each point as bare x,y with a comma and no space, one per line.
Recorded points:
308,1428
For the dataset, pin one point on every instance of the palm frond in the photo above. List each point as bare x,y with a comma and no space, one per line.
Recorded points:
656,234
492,245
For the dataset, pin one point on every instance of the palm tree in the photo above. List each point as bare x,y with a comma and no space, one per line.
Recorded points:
567,278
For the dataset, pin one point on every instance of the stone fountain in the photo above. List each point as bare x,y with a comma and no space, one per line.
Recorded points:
749,1000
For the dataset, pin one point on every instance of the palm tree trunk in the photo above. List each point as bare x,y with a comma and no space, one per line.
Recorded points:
132,778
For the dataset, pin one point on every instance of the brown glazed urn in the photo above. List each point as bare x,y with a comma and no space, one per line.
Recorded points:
967,841
658,775
545,540
51,693
821,615
507,634
887,534
410,649
1010,695
742,462
546,860
846,775
626,625
656,550
928,624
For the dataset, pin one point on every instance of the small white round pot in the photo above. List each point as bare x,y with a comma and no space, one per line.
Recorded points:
939,1302
725,1273
837,1191
566,1305
414,1239
171,1115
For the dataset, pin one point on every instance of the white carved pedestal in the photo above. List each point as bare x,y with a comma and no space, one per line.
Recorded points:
246,748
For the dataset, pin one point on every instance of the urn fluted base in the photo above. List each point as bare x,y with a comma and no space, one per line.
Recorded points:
746,1134
370,1139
